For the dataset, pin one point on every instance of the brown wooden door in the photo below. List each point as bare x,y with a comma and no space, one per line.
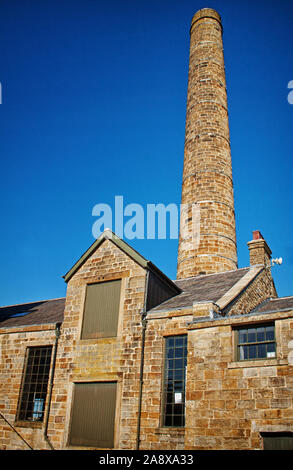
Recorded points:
93,415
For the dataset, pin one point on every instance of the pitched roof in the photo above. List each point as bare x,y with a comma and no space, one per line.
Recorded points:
131,252
202,288
208,288
275,305
107,235
33,313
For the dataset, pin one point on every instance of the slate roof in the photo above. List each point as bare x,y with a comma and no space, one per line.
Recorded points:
33,313
196,289
202,288
275,305
209,288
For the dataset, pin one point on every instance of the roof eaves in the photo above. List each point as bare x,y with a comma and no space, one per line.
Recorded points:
270,306
28,327
32,302
264,312
152,312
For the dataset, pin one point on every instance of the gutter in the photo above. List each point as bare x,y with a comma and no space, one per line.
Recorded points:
57,336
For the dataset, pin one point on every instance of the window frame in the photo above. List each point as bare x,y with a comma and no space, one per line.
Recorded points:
23,405
248,326
164,385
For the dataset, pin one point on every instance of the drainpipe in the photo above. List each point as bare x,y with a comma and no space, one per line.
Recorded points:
57,335
144,325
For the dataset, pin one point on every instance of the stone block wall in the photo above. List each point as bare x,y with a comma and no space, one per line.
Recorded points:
13,345
154,435
102,359
229,403
259,290
90,360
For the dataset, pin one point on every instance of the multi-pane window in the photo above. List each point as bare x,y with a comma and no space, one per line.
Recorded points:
35,384
256,342
174,381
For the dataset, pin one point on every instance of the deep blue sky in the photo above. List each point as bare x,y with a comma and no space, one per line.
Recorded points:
94,100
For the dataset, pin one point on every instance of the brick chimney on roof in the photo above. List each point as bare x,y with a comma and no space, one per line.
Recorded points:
207,242
259,251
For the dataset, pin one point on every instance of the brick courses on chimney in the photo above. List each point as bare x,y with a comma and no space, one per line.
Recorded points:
207,173
259,251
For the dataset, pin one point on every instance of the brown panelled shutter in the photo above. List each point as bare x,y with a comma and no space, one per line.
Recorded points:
93,415
277,441
100,318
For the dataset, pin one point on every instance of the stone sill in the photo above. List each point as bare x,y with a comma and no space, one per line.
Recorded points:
72,447
170,430
28,424
97,340
258,363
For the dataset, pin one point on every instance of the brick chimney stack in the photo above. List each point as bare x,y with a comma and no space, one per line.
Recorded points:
207,242
259,251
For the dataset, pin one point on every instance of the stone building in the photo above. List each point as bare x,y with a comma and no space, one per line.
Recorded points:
133,360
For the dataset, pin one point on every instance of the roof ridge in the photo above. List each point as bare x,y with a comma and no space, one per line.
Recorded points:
32,302
211,274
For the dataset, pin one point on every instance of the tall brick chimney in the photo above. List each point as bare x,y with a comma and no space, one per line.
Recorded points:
207,242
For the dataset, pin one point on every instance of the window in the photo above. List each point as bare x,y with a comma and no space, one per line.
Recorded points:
256,342
100,318
35,384
174,381
93,414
